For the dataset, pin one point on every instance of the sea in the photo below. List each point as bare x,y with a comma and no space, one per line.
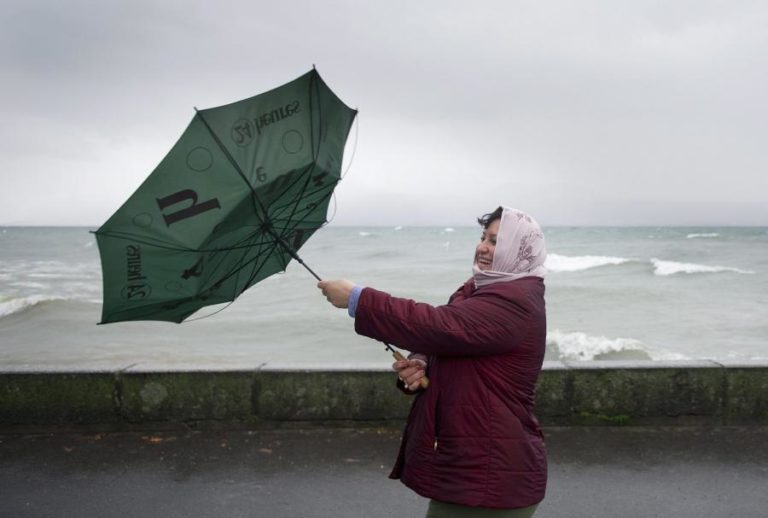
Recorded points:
612,293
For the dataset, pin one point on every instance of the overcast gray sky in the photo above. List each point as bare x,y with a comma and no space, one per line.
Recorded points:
580,112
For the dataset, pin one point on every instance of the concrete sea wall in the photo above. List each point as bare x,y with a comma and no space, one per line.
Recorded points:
578,393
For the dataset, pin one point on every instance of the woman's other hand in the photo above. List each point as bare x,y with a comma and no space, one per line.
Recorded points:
337,292
411,371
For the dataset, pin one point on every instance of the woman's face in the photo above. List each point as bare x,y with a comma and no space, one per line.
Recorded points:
487,246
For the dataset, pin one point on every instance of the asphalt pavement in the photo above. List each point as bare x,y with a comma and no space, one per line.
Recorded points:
340,473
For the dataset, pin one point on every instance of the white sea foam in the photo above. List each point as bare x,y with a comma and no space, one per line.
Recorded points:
399,227
28,284
364,234
581,346
448,229
664,268
15,305
63,275
704,235
563,263
44,275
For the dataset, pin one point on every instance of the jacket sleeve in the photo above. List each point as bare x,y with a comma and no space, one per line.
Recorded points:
484,324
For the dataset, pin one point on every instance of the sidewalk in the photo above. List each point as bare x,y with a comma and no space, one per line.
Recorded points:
340,473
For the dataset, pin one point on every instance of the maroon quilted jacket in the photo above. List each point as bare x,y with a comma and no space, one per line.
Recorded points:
471,437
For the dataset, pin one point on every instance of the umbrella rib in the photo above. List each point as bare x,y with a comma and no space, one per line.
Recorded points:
244,265
241,264
319,190
315,152
254,197
312,84
256,271
248,248
289,204
144,241
276,211
307,175
135,238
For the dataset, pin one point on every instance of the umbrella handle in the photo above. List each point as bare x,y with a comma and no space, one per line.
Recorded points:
424,382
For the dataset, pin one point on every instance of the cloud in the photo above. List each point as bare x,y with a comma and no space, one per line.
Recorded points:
577,111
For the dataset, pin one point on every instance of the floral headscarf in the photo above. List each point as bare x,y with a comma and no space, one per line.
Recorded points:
520,250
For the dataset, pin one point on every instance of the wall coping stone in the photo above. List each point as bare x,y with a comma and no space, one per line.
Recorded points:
673,393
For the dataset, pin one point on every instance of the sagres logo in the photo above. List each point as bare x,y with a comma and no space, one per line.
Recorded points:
245,130
137,286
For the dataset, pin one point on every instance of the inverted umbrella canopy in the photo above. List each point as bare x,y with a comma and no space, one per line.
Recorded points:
244,187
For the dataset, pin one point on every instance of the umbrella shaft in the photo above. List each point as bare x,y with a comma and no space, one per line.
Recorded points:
288,248
309,270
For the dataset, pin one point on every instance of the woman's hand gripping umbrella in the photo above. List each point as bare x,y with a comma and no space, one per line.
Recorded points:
411,371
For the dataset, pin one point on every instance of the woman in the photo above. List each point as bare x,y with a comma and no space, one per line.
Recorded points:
471,443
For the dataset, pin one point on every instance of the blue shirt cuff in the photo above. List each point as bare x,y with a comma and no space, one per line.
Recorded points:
353,298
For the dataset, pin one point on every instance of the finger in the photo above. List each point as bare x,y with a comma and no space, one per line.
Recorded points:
410,371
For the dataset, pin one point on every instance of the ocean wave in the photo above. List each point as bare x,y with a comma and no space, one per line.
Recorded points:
52,269
704,235
577,346
382,254
17,305
28,284
581,346
563,263
64,276
664,268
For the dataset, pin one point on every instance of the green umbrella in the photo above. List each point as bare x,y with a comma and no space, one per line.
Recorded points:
243,188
